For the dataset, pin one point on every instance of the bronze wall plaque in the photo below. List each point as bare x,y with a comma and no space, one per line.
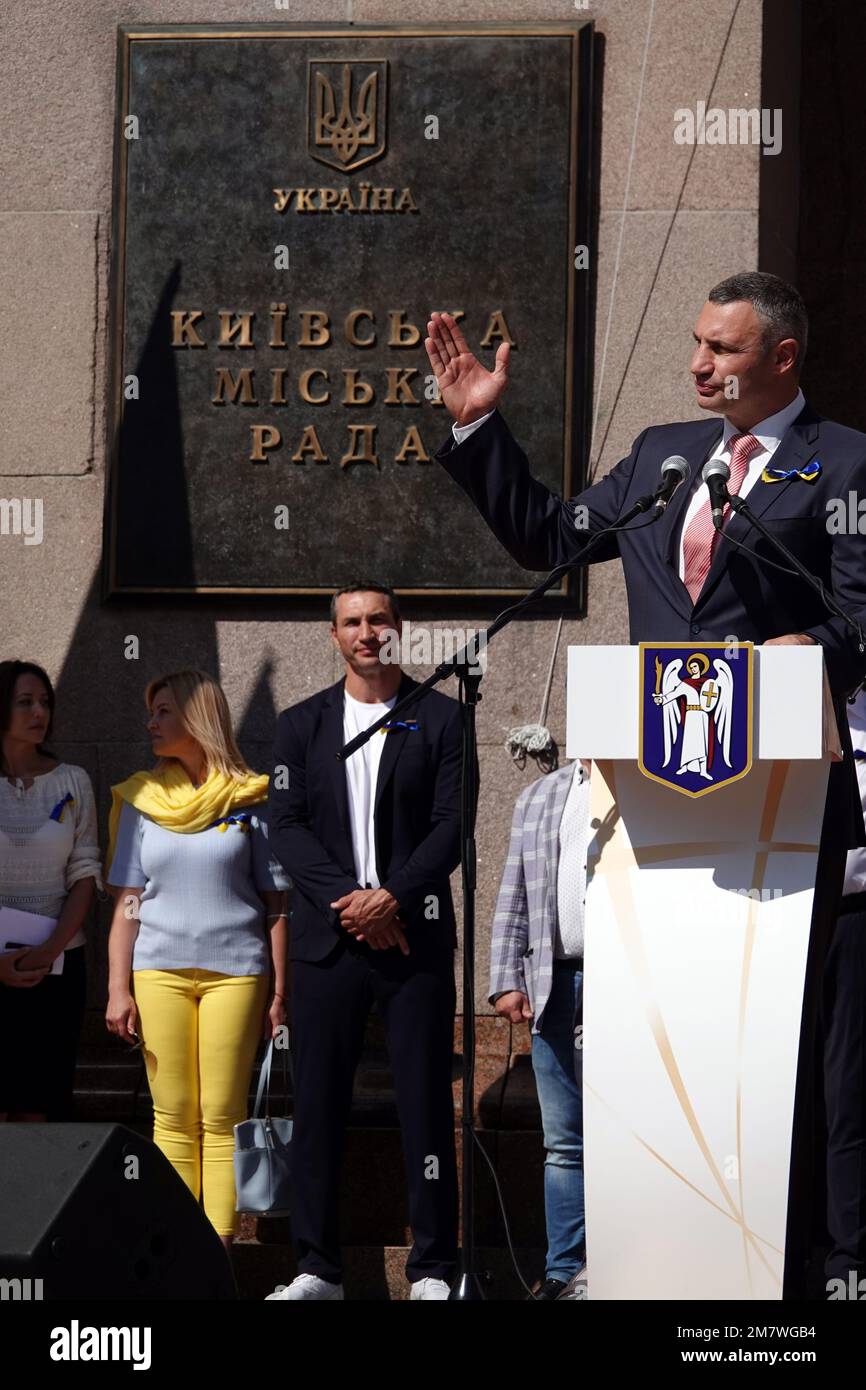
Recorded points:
290,206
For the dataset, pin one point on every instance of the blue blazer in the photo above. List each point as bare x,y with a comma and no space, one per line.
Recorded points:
417,818
742,596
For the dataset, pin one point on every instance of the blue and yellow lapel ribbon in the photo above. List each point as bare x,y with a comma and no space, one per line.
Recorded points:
241,818
809,474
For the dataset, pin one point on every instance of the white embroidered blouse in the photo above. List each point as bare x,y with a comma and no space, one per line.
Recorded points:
48,841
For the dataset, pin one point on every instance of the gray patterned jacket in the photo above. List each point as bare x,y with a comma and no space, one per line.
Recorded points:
524,924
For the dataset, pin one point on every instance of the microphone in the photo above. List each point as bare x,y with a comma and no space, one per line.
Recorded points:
675,470
716,474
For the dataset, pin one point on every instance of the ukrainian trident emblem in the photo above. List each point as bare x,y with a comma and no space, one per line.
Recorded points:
346,112
696,714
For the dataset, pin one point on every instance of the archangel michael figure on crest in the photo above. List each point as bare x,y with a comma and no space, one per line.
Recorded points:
700,705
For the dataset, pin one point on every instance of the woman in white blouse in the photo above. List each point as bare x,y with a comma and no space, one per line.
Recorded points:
49,863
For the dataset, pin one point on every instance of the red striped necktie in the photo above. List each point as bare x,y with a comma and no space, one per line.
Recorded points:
701,537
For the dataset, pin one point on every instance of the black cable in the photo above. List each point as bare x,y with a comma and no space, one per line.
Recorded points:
505,1219
627,530
813,580
822,591
762,558
501,1201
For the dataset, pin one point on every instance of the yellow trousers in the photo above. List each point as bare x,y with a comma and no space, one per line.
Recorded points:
200,1030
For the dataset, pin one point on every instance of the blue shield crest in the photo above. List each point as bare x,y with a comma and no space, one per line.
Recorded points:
695,714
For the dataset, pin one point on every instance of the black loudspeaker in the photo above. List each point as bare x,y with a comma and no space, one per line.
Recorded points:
97,1212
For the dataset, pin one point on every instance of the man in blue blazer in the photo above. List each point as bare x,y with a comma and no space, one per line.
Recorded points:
683,579
369,845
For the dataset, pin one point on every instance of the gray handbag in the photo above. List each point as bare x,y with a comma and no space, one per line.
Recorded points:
262,1155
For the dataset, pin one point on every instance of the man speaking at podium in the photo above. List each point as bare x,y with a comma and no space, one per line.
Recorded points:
684,578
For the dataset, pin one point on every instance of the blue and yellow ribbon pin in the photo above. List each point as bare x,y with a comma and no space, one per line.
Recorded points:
57,813
809,474
410,724
243,819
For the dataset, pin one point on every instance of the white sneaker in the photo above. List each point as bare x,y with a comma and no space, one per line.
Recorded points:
577,1287
306,1286
429,1288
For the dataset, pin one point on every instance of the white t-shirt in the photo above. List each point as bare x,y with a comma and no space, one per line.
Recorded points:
362,770
571,876
855,869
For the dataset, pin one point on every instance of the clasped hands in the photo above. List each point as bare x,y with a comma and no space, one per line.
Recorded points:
24,967
370,914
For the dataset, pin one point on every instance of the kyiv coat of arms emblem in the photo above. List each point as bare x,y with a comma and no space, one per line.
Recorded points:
695,714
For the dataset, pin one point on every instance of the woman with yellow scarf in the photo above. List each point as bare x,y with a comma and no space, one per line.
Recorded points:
197,948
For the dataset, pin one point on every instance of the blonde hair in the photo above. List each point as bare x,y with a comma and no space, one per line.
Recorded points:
204,713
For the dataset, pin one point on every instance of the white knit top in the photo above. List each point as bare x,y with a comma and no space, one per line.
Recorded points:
47,841
201,906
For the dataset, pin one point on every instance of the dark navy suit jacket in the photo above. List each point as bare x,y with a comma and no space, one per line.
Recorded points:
742,596
417,818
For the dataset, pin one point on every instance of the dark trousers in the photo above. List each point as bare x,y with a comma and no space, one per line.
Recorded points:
844,1029
806,1207
330,1003
39,1033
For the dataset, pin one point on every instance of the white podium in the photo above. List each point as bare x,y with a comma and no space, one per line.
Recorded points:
697,929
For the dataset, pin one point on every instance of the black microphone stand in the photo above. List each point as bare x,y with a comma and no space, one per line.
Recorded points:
741,507
466,666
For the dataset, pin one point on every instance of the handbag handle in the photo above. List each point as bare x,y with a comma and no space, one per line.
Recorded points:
264,1087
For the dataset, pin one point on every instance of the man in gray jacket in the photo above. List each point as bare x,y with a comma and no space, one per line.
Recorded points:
536,973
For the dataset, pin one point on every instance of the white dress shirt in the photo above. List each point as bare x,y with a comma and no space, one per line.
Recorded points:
768,432
362,771
571,874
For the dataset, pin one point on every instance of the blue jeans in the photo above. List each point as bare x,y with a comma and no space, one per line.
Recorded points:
558,1068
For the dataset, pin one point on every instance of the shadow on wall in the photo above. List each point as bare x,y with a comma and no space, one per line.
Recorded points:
151,445
118,647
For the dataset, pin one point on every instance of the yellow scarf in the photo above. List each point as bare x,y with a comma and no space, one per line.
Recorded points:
168,797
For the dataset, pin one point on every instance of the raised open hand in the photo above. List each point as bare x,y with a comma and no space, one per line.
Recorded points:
468,389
